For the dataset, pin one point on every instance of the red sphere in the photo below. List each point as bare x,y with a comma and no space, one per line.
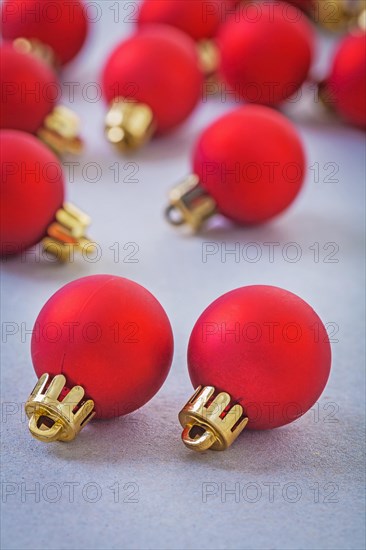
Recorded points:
32,190
108,335
159,67
29,90
267,348
266,55
60,24
346,83
251,161
199,19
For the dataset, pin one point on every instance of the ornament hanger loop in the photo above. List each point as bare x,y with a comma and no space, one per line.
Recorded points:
43,433
68,232
173,215
199,442
189,204
210,420
54,419
60,131
128,124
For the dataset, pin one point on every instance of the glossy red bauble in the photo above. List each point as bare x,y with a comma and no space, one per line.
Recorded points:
346,84
32,190
108,335
159,67
251,161
59,24
267,348
29,90
265,56
199,19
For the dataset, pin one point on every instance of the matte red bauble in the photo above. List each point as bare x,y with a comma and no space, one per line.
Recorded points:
32,190
29,90
101,345
29,97
249,165
152,82
266,57
199,19
58,24
258,356
345,87
32,198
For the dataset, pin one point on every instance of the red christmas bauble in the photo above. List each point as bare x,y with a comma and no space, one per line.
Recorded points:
158,67
199,19
266,57
251,161
109,335
346,84
32,190
29,90
60,24
267,348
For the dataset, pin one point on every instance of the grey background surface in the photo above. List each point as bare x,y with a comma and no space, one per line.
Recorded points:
135,485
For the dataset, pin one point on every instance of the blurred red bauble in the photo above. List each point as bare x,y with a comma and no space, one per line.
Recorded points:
32,200
108,337
32,190
157,69
29,90
268,350
266,57
29,101
199,19
58,24
249,165
345,87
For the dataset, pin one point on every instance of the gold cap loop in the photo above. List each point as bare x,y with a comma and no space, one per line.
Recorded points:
337,15
209,57
47,436
209,421
60,131
51,419
189,203
37,48
198,441
128,124
67,233
325,96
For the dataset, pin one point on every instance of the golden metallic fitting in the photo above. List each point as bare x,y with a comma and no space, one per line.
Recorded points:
35,47
209,422
60,131
54,420
337,15
189,203
209,57
325,97
128,124
361,21
67,233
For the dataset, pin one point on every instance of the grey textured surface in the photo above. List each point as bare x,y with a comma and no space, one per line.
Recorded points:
134,484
